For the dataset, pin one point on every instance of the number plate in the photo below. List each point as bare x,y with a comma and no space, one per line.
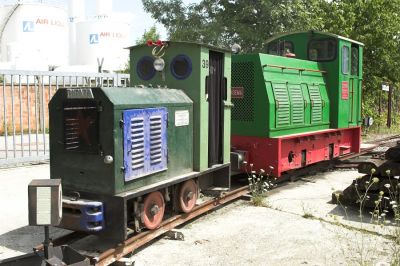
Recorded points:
80,94
237,92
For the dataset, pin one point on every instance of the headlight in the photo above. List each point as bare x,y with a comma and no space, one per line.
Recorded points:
159,64
236,48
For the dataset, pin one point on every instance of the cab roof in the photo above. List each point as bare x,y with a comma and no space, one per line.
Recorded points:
313,32
209,46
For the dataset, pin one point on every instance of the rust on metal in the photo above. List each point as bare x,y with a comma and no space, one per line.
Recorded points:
131,244
71,237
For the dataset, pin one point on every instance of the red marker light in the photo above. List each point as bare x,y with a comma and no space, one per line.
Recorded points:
150,43
159,43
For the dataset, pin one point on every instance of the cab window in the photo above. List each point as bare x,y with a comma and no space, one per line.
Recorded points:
345,59
354,61
322,50
280,48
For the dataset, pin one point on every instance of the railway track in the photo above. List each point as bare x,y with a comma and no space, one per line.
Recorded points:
116,252
376,149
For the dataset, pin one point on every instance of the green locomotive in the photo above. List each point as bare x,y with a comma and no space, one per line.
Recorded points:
297,105
127,156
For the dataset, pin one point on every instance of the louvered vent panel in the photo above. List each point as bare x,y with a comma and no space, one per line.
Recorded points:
316,104
145,142
282,106
297,100
137,140
155,139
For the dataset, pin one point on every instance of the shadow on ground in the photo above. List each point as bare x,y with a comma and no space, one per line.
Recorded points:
23,239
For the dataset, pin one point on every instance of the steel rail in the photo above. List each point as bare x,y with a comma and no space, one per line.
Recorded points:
114,254
63,240
131,244
364,151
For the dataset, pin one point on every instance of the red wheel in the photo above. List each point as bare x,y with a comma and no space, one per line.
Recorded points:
188,195
153,210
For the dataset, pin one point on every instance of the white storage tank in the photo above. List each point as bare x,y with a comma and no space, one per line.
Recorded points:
102,38
35,35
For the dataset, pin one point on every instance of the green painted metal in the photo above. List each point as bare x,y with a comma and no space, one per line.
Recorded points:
194,86
81,171
281,96
344,112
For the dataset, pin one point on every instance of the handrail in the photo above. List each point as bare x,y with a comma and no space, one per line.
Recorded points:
295,68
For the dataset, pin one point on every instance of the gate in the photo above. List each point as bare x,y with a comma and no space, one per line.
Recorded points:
24,98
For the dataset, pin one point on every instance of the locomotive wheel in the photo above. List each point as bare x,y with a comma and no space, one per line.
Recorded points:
188,196
153,210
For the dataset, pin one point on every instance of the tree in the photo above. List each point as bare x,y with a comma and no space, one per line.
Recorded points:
376,23
250,23
151,34
224,22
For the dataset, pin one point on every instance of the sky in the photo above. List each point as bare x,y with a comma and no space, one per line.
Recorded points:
140,22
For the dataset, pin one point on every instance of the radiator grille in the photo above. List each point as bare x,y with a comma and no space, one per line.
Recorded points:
81,133
243,76
71,126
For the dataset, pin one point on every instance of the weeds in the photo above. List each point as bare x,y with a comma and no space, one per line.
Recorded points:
260,201
307,214
259,185
383,202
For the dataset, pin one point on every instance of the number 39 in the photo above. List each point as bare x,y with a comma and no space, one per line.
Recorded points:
204,63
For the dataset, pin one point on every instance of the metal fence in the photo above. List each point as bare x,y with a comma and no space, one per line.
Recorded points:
24,109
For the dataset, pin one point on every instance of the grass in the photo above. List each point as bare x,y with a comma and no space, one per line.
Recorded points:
260,201
378,131
307,214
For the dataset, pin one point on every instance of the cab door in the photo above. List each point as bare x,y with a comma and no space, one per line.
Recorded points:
216,88
354,85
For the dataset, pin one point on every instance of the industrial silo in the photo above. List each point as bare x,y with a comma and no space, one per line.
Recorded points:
33,34
101,38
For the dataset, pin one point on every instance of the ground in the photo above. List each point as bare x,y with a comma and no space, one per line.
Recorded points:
298,226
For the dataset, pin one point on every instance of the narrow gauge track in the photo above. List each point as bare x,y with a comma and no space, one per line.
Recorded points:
346,162
118,251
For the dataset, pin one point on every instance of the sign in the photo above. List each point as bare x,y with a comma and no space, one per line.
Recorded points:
181,118
80,94
93,38
237,92
27,26
385,86
345,90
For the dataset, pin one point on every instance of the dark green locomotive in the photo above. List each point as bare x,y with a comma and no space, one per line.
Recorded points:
127,156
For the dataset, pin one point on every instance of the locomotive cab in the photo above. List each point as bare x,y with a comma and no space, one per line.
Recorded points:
341,58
